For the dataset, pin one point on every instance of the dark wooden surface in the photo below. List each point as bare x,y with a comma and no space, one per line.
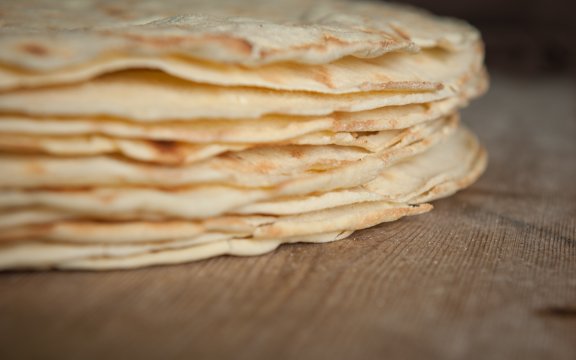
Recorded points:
489,274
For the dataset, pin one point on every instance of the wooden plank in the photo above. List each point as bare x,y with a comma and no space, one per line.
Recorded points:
489,274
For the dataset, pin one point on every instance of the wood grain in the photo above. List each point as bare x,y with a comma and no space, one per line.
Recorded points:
489,274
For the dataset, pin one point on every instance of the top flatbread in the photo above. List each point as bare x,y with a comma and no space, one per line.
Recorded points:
46,35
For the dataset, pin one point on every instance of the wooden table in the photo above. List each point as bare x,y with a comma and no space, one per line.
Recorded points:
489,274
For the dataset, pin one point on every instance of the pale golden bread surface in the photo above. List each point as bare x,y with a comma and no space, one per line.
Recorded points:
154,96
278,229
47,35
446,168
426,70
172,152
288,167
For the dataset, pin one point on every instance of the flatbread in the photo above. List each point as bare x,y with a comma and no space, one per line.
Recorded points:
155,96
89,231
378,142
48,35
34,254
444,169
43,256
293,167
350,217
175,153
270,232
427,70
22,216
163,152
281,229
237,247
164,132
268,129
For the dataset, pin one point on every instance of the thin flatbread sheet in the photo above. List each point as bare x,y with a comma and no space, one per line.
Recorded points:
40,35
177,153
427,70
269,128
282,229
292,167
155,96
155,151
450,166
102,257
442,170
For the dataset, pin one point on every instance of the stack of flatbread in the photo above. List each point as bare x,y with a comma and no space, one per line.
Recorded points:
158,132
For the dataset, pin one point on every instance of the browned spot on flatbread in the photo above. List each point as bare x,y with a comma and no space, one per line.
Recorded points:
334,40
296,152
239,45
321,74
426,107
21,147
164,146
330,40
242,45
354,126
404,35
25,232
35,49
265,167
116,12
169,152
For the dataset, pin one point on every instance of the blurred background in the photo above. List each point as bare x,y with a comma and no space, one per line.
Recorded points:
536,36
